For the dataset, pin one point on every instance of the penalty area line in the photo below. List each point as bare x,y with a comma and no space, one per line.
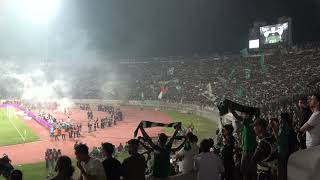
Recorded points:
8,116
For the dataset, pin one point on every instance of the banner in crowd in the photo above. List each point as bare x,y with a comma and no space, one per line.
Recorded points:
170,71
29,113
227,104
208,93
149,124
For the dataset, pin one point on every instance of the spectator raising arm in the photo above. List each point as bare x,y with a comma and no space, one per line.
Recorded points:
174,135
235,115
180,146
147,138
148,148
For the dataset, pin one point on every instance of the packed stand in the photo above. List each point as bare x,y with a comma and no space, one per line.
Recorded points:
260,152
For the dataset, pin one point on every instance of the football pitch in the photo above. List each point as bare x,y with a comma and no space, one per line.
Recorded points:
13,130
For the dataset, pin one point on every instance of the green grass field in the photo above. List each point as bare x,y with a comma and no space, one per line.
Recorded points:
13,130
204,128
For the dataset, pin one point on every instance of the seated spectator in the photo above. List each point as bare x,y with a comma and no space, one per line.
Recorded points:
16,175
188,153
112,166
90,168
133,167
64,169
312,126
208,165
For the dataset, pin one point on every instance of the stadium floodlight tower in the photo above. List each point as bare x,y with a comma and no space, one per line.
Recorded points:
39,13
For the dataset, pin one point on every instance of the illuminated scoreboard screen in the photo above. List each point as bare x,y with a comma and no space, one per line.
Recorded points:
278,33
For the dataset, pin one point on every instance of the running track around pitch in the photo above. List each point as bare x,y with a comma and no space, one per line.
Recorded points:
34,152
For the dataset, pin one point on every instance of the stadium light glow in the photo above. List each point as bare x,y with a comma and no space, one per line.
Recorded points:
38,11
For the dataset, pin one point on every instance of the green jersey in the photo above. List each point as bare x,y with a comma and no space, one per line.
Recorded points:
249,142
283,143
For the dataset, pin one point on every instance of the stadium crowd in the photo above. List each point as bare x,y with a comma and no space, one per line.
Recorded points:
277,83
261,151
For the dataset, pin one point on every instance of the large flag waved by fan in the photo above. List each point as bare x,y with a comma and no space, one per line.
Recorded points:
208,93
163,91
227,104
163,88
170,71
149,124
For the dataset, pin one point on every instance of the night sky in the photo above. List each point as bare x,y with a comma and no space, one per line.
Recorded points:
181,27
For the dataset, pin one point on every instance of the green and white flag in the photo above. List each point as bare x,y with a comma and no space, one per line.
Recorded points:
240,92
248,73
170,71
149,124
231,74
244,52
262,63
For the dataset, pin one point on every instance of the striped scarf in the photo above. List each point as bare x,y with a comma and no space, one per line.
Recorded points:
149,124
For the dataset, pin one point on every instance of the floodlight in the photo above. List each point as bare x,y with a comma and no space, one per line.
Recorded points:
37,11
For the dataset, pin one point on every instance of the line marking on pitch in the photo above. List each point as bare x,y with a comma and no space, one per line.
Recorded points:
15,126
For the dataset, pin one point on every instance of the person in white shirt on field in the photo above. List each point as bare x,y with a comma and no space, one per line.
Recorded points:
312,126
188,153
90,168
208,164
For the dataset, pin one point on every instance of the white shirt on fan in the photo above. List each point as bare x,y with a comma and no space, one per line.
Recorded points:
209,166
94,168
313,135
187,164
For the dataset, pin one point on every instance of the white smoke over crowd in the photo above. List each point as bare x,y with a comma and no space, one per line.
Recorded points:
31,83
53,62
61,82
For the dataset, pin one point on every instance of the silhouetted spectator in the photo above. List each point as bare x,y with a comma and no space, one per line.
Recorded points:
249,143
304,116
227,151
112,166
120,148
5,166
90,168
161,151
64,169
265,155
133,167
16,175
